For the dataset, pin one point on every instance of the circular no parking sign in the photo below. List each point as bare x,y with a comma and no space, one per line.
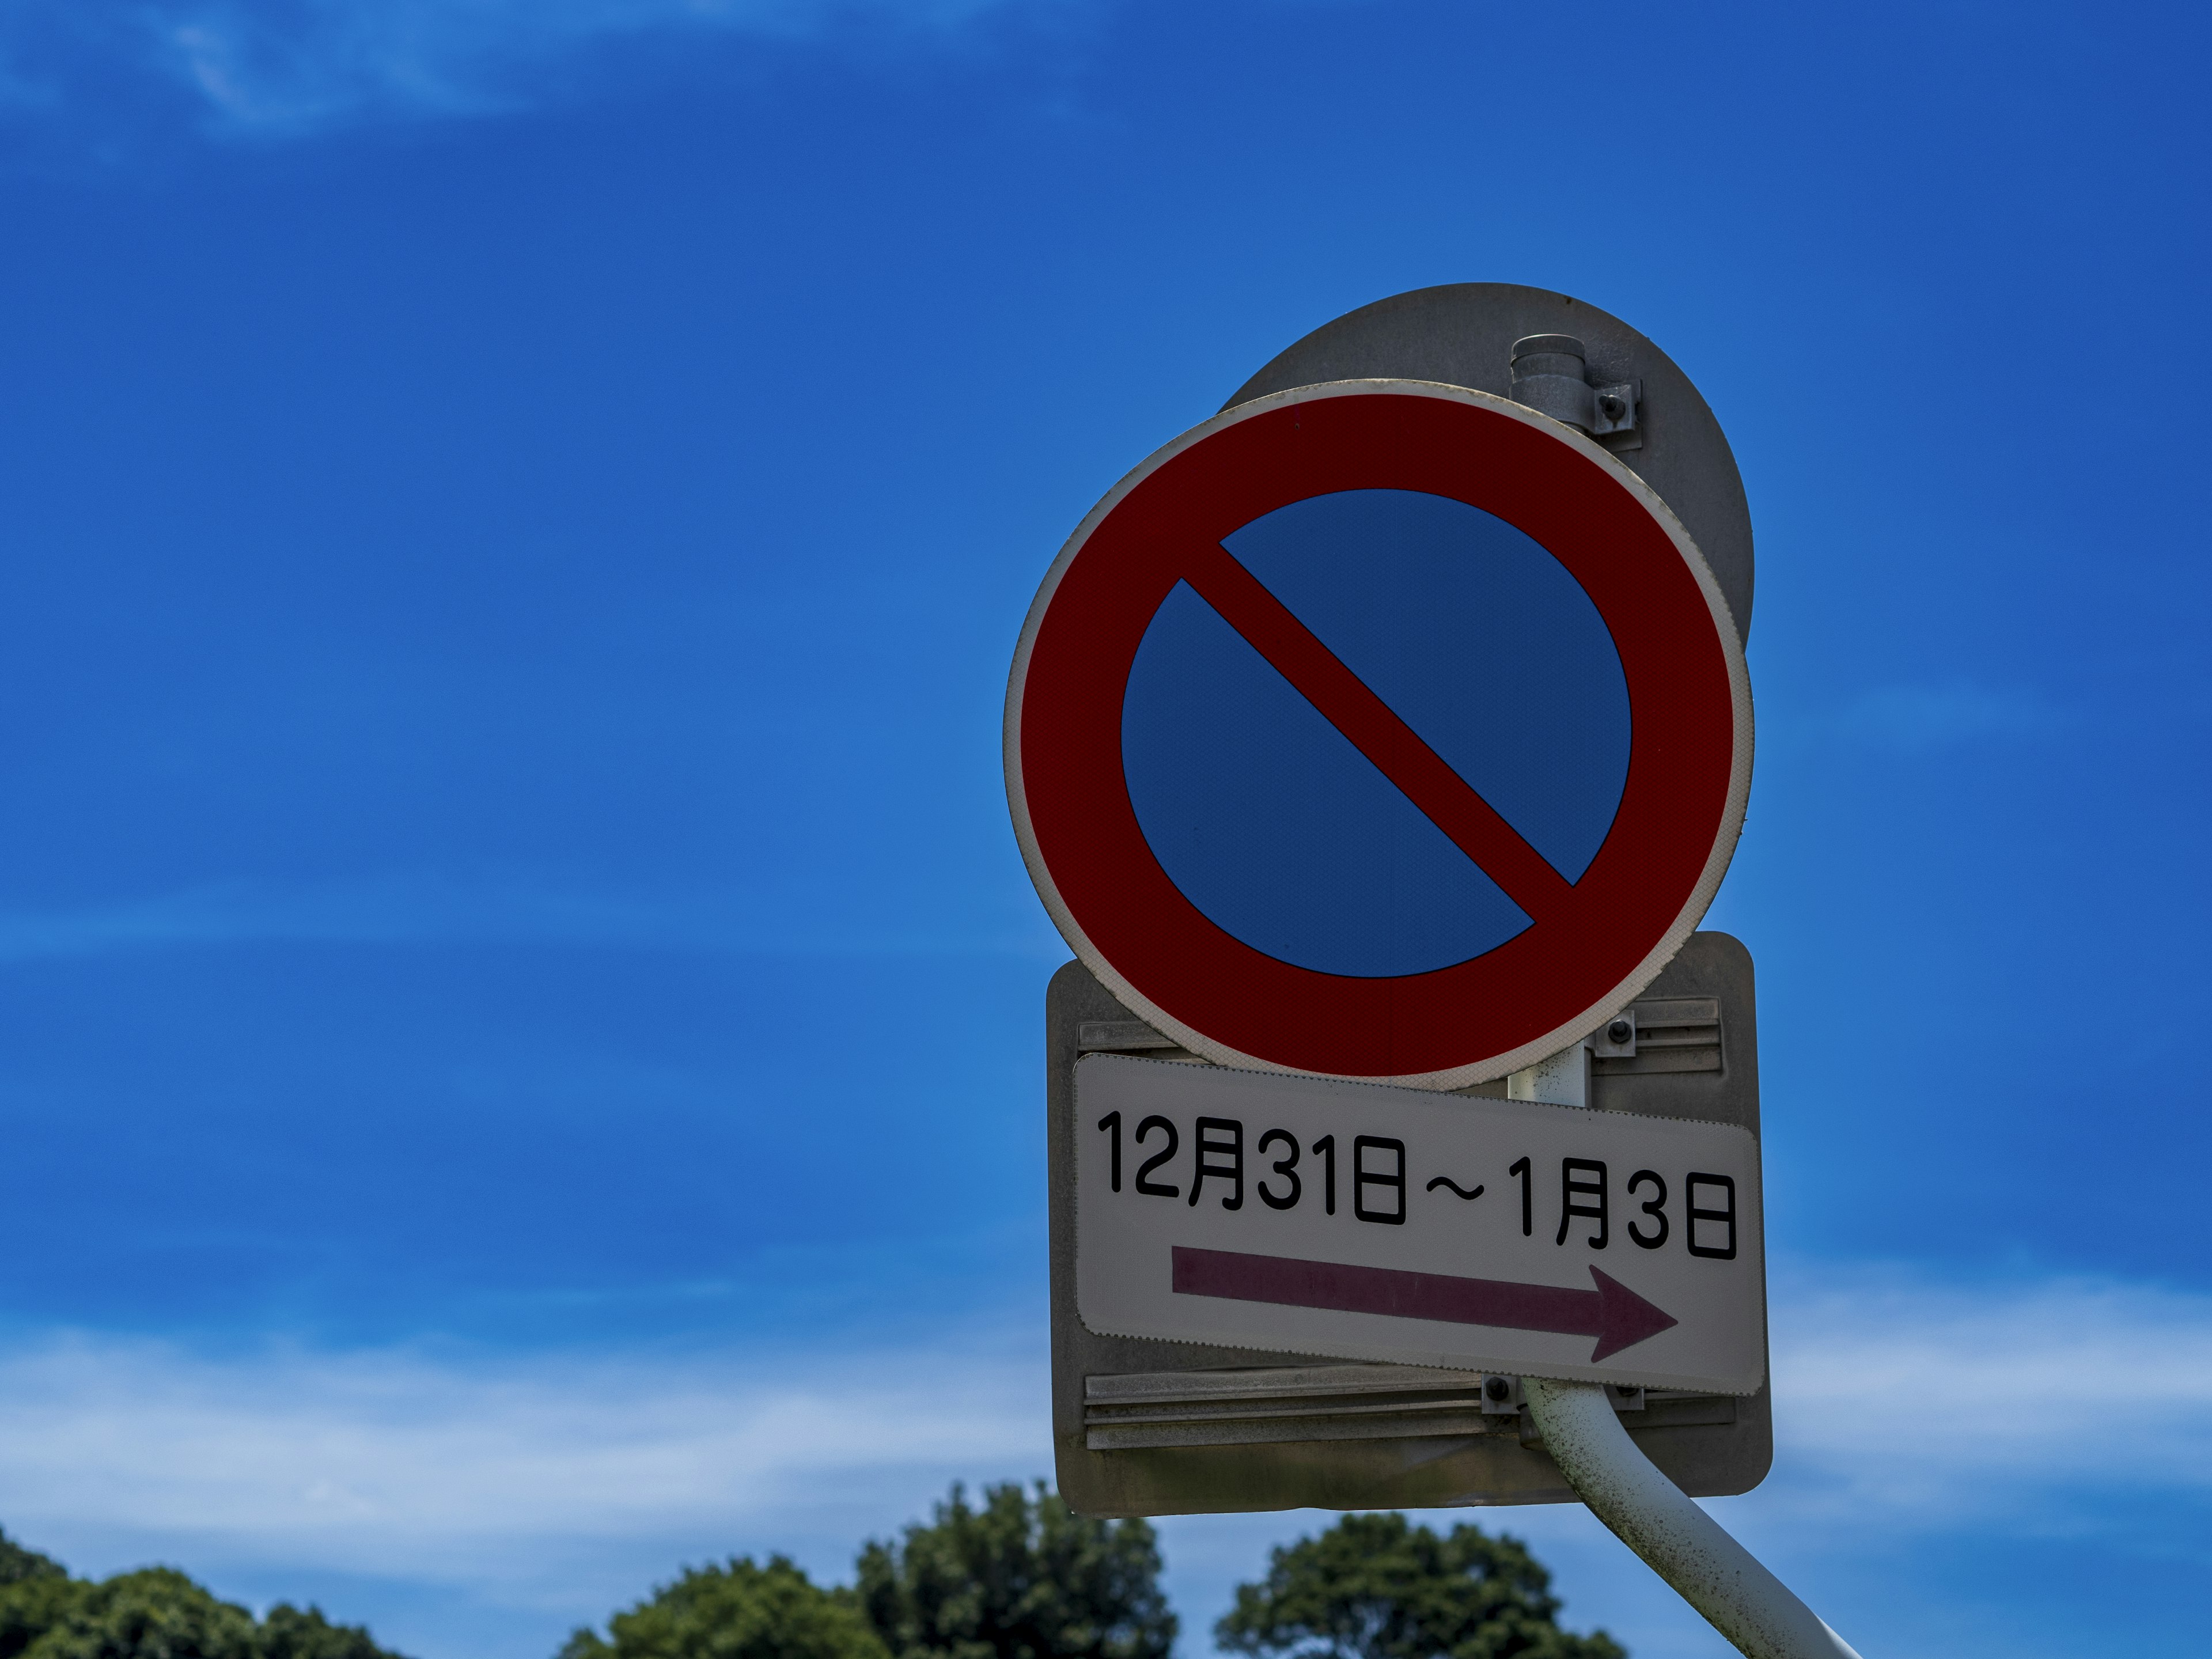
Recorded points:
1380,729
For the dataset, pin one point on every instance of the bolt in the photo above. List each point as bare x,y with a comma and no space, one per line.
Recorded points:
1619,1033
1498,1389
1612,406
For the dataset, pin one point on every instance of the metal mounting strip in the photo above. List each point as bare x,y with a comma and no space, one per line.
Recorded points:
1268,1405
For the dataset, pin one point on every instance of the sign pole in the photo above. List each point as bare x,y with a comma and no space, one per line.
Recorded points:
1678,1540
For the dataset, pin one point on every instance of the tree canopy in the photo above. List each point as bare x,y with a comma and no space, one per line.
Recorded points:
740,1610
155,1612
1378,1586
18,1564
1017,1578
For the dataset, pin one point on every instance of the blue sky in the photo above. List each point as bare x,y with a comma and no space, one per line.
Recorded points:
519,1048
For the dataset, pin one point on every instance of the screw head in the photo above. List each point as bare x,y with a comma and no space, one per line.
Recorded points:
1619,1032
1612,406
1498,1389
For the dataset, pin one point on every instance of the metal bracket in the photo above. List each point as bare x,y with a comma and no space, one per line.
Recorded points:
1119,1037
1550,375
1563,1079
1616,407
1504,1396
1616,1038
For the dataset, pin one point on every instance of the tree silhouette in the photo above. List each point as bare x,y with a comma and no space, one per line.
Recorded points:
1378,1586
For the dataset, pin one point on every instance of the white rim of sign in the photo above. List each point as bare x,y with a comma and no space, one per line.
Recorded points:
1568,1031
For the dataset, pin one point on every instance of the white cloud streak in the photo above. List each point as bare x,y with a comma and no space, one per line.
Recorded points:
1936,1408
281,67
526,1479
1917,1409
1919,719
788,919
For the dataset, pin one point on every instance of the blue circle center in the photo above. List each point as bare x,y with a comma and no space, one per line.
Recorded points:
1287,836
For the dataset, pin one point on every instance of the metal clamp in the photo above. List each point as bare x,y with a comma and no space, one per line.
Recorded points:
1504,1396
1550,375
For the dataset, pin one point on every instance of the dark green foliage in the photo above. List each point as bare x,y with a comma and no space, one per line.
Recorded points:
155,1612
739,1611
1375,1587
30,1608
1017,1579
17,1564
291,1633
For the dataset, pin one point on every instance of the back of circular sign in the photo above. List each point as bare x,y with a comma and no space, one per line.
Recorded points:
1463,334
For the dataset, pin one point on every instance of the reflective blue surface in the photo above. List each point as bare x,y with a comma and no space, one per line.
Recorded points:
1285,835
1276,827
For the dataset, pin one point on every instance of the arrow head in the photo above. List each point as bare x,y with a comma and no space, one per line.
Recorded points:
1623,1318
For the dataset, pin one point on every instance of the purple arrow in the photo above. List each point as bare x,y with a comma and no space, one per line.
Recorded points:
1613,1313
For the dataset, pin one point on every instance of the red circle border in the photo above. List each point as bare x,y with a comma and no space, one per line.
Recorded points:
1681,808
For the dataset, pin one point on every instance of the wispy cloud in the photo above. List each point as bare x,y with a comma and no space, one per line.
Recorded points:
1933,1405
1920,1410
784,919
560,1483
285,66
1918,719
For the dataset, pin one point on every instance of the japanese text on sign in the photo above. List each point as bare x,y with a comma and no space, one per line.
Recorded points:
1324,1217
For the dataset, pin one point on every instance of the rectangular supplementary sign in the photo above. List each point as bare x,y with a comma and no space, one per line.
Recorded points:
1351,1219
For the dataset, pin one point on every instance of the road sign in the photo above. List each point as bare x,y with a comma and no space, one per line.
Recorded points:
1381,731
1324,1217
1378,729
1152,1426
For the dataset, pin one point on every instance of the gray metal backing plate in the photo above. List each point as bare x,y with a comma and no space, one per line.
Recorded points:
1462,334
1706,1459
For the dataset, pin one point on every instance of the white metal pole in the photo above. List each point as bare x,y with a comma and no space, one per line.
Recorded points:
1677,1540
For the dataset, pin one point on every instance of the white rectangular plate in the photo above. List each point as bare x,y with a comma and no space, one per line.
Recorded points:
1324,1217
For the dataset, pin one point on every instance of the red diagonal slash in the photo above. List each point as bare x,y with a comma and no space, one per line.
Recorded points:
1450,802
